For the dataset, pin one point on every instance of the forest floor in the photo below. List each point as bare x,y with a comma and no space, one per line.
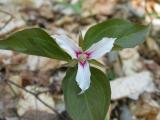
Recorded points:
30,86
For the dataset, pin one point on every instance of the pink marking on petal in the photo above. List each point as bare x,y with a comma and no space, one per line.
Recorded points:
88,54
83,63
78,53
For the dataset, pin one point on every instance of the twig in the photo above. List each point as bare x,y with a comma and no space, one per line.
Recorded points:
6,13
36,96
15,94
9,20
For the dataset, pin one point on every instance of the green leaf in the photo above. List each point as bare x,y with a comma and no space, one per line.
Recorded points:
91,105
95,62
34,41
80,39
117,47
71,63
128,34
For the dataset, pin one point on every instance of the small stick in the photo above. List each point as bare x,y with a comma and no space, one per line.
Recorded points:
9,20
36,96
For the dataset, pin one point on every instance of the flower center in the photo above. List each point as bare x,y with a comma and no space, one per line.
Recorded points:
82,57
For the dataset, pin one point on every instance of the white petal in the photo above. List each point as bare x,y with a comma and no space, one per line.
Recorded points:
83,76
67,44
98,49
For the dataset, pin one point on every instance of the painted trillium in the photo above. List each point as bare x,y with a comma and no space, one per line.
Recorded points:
96,51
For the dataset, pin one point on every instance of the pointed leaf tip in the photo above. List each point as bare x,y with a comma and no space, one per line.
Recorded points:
34,41
128,34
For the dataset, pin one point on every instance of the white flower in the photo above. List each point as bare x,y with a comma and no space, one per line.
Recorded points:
96,51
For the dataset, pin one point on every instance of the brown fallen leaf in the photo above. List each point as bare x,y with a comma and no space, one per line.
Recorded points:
103,7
